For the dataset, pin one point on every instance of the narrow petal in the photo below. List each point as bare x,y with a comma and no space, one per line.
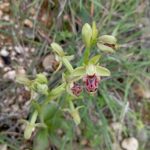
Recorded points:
102,71
67,64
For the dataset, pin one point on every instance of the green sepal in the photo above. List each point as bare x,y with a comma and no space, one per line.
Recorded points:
80,71
105,48
94,60
102,71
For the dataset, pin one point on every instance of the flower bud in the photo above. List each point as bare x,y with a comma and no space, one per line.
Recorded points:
41,78
107,43
87,34
41,88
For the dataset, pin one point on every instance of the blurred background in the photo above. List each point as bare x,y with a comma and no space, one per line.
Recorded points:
121,108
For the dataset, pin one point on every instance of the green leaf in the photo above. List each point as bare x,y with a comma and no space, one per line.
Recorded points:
80,71
52,117
105,48
87,34
41,141
102,71
94,60
58,49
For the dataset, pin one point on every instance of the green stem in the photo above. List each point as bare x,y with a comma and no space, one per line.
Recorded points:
34,117
86,55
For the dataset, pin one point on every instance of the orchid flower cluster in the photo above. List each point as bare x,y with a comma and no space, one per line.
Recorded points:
90,73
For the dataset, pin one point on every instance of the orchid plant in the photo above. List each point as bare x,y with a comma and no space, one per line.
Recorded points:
87,76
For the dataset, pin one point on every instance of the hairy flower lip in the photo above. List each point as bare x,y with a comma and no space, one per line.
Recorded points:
76,89
91,82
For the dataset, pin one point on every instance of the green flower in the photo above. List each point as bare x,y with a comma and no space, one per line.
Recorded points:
91,74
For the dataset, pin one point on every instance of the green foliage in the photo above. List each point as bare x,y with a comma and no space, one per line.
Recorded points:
121,19
41,141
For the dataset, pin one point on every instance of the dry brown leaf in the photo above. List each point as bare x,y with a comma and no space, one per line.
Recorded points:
49,63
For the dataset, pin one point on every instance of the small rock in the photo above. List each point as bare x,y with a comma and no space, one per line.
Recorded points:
5,7
116,126
6,18
1,63
21,71
19,49
32,11
1,14
4,52
6,69
15,108
10,75
32,50
49,63
142,135
130,144
28,23
3,147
